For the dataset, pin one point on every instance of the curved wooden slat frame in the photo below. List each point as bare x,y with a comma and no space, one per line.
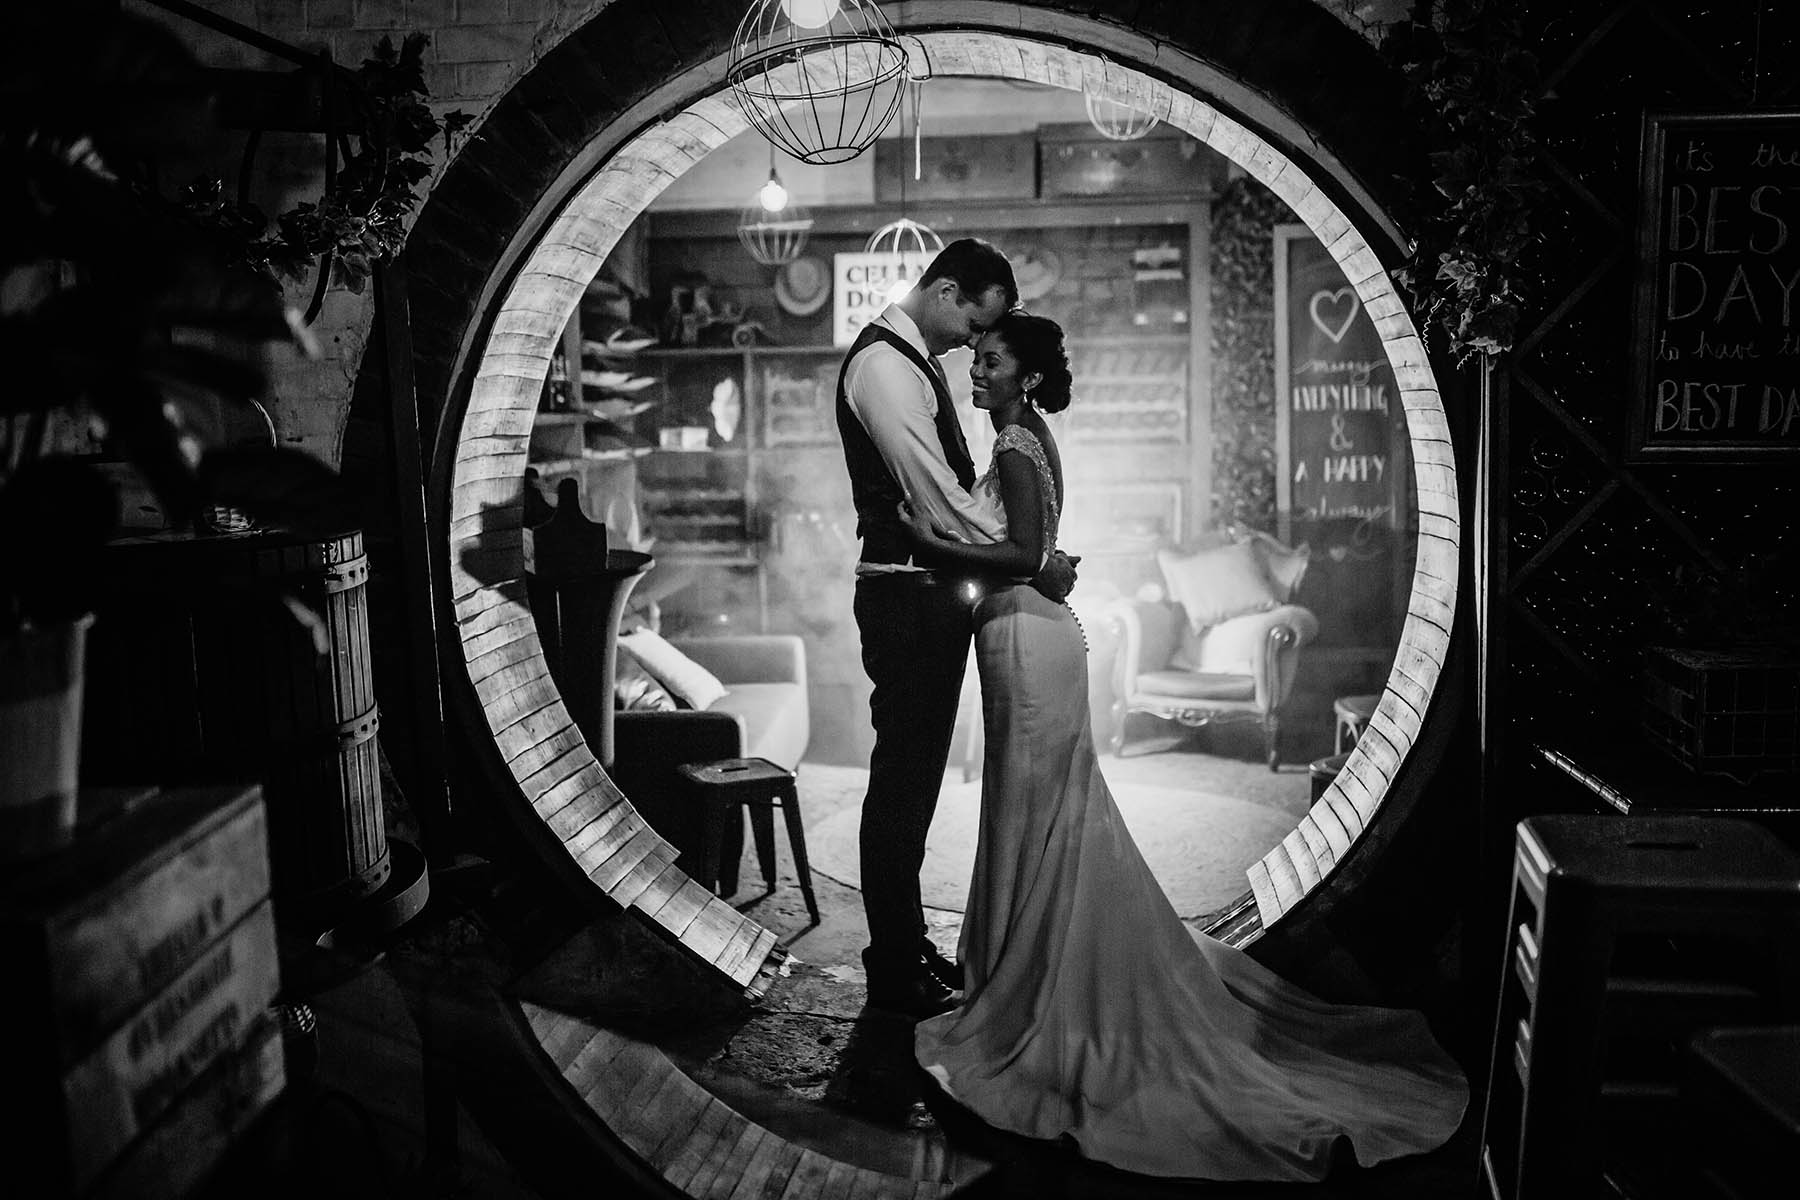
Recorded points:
556,772
564,166
700,1145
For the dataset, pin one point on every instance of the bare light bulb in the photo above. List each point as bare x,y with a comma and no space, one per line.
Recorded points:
773,196
810,14
897,290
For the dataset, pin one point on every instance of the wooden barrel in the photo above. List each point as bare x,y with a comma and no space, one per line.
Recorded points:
200,670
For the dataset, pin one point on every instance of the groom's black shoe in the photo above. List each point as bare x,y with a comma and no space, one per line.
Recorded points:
948,973
910,989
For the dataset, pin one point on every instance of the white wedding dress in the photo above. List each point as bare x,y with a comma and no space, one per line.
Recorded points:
1091,1011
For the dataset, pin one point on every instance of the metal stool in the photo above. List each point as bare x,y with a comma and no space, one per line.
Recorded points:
1627,935
760,786
1353,713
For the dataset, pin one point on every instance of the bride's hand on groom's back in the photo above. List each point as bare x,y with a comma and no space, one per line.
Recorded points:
1056,578
922,529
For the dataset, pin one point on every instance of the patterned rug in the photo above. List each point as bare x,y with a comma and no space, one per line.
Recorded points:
1197,841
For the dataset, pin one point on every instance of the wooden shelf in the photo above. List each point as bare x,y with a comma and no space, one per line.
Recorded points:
692,495
1179,340
570,462
1132,339
715,451
964,215
762,351
693,352
734,554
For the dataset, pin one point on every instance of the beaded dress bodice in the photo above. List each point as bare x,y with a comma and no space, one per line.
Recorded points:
1017,437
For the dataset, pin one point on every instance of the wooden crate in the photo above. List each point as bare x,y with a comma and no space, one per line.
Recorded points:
187,1142
90,934
120,1089
1732,712
975,167
139,958
1076,160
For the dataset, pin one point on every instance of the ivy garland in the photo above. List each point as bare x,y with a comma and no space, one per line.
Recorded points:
1243,353
360,222
1473,84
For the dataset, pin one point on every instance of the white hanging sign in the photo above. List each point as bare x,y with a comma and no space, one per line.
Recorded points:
864,283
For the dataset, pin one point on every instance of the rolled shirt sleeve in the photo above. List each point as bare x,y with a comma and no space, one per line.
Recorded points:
898,407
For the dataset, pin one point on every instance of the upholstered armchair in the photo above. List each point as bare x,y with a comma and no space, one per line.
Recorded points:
1221,643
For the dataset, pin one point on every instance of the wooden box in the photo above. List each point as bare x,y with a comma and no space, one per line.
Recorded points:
138,958
89,935
119,1089
186,1142
1076,160
1730,712
990,167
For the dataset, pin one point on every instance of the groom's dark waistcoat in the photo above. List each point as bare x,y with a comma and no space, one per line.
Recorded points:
873,488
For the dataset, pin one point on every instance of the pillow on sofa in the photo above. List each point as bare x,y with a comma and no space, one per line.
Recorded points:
1284,567
634,690
1217,583
687,680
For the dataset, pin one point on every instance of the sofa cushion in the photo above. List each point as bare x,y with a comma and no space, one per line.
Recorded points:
687,680
1231,647
635,690
1217,583
773,718
1285,566
1196,685
1159,625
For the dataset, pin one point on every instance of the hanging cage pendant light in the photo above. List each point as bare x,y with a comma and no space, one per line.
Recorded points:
773,229
916,244
820,79
904,236
1121,104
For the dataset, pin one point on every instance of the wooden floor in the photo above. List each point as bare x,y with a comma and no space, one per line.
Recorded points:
518,1049
443,1068
699,1145
628,1077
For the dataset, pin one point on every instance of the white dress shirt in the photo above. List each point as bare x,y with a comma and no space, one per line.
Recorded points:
897,405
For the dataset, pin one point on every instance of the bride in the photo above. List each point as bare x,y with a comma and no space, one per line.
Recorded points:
1090,1012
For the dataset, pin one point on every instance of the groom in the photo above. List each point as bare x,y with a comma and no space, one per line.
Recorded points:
902,441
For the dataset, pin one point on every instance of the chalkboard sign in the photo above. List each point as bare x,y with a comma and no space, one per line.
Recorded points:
1715,370
1341,453
1343,482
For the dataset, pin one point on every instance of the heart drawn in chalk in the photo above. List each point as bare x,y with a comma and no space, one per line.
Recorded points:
1343,300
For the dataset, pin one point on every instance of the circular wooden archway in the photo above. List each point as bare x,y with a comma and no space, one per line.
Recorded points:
631,101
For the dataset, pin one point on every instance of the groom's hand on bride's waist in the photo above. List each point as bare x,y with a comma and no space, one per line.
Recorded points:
1056,578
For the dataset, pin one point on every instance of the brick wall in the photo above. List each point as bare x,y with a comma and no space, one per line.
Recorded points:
479,49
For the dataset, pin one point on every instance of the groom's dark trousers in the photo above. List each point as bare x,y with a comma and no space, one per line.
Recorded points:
916,629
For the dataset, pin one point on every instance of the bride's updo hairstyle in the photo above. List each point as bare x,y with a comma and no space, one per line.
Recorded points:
1037,342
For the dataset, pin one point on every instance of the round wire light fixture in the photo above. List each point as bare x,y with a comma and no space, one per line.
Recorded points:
905,236
913,245
773,228
819,78
1123,105
774,238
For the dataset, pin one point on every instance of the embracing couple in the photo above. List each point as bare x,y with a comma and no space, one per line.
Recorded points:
1079,1007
